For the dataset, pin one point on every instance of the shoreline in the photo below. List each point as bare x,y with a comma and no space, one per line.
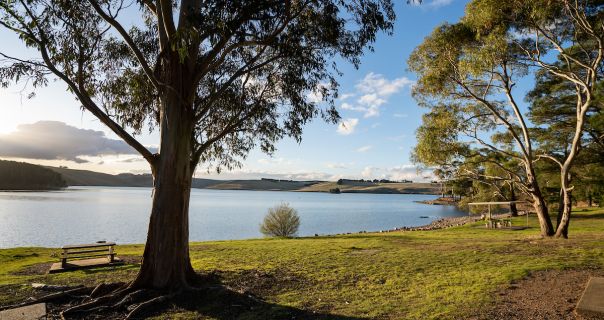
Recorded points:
438,224
442,201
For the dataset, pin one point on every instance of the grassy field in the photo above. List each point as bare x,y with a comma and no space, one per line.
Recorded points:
441,274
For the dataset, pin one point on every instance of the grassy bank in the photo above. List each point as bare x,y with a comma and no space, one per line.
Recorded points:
447,273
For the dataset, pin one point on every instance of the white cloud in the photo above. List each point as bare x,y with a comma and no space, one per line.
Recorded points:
345,96
317,95
404,172
369,172
337,166
376,83
348,106
371,99
396,173
347,126
374,91
364,148
435,4
258,174
55,140
401,115
131,160
279,160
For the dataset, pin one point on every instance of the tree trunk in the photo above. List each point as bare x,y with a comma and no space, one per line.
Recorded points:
166,264
545,221
567,205
513,207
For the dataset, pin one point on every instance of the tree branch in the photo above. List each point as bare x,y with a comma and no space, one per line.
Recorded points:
120,29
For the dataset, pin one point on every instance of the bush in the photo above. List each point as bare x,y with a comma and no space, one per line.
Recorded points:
281,221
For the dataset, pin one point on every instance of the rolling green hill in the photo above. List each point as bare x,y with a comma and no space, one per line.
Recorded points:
371,187
60,177
24,176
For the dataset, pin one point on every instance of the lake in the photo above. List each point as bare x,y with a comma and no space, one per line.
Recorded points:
88,214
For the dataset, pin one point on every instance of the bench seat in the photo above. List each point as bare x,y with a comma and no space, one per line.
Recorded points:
86,256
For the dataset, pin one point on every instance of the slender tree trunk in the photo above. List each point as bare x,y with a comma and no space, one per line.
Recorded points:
560,207
567,205
166,264
545,221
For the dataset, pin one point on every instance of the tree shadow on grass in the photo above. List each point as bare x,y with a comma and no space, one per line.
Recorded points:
222,302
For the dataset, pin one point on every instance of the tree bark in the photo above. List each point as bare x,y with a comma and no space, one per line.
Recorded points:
567,205
545,221
166,264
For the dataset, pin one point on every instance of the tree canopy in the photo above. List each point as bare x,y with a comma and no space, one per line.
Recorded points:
467,76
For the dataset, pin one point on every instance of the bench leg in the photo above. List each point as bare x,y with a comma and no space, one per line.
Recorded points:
63,262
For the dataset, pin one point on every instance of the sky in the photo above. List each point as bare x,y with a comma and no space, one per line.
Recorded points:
373,140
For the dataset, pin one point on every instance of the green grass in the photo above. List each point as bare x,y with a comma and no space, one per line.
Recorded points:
441,274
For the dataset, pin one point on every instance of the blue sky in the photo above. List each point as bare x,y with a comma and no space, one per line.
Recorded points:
376,105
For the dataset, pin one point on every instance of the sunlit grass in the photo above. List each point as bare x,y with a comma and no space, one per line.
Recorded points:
434,274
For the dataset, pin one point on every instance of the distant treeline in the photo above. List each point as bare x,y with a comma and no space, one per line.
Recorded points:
25,176
276,180
345,181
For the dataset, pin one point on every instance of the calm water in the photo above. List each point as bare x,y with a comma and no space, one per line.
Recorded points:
88,214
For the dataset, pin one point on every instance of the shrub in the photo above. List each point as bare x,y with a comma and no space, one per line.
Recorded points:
280,221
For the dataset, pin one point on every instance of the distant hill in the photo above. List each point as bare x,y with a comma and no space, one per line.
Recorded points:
25,176
350,186
73,177
91,178
263,184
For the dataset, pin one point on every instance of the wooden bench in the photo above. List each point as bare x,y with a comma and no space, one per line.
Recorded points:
86,256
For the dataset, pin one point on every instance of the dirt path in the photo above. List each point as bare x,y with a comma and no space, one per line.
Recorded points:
543,295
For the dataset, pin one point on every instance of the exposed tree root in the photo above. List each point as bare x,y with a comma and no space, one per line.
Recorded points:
123,300
121,293
120,300
106,288
49,297
149,304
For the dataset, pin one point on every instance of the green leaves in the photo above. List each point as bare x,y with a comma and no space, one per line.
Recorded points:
242,70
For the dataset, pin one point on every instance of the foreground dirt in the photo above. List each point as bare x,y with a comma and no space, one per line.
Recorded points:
543,295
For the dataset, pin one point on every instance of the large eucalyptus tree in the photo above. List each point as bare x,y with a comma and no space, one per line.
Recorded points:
216,78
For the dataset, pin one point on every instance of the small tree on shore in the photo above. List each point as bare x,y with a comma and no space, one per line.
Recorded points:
281,221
